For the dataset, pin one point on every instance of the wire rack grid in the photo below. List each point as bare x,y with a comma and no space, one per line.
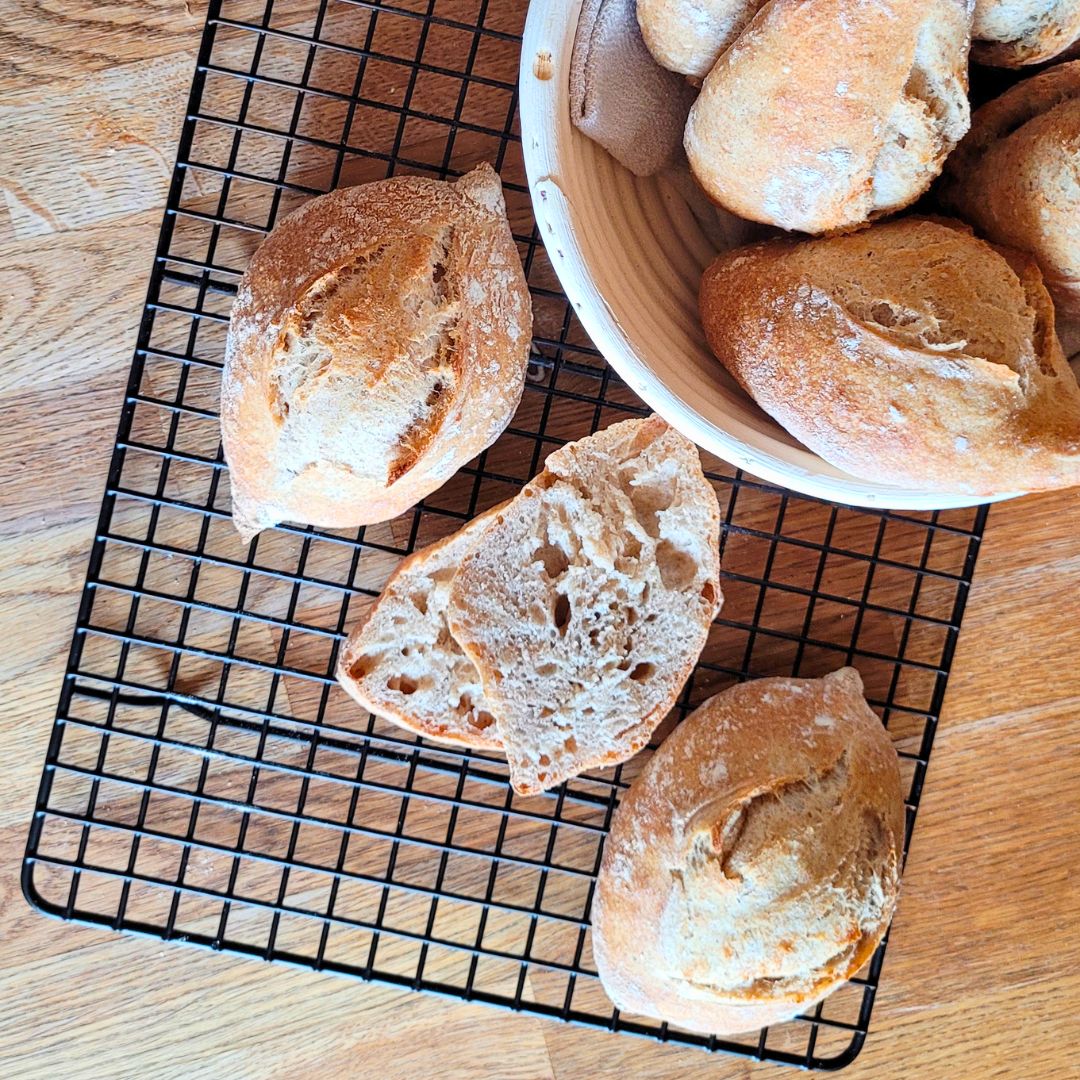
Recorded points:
206,780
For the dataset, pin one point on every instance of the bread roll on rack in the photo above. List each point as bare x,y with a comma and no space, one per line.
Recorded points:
378,342
754,864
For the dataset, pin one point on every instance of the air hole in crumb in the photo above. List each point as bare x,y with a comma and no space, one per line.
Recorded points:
570,744
419,601
708,593
677,568
363,665
545,760
482,720
642,672
554,559
650,501
401,683
631,616
545,670
562,613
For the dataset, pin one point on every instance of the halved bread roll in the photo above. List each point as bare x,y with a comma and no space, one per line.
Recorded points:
826,113
1013,33
403,664
754,864
911,353
1016,176
688,36
379,340
588,599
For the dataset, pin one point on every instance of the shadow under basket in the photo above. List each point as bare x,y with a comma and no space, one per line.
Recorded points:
208,782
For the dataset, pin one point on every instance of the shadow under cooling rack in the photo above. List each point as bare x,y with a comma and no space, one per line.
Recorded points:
206,779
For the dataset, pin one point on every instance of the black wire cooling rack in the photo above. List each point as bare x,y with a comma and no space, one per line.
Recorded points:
206,780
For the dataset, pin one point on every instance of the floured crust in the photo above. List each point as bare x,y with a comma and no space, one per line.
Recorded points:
688,36
754,865
910,353
589,599
402,663
1016,176
378,342
1015,33
825,114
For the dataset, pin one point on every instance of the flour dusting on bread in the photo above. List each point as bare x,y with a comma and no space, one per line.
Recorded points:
379,340
827,113
732,897
910,353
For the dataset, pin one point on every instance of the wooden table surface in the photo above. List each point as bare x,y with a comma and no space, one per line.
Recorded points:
982,977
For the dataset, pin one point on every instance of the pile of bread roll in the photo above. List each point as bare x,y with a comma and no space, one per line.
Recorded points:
379,341
924,352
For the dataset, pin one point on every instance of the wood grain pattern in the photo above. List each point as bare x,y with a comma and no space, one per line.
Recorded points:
981,976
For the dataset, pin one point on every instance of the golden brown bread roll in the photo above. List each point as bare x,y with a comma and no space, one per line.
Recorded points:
910,353
687,36
1013,33
826,113
754,864
378,342
1016,176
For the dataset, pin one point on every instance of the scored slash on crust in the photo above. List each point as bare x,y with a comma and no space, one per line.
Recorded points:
396,309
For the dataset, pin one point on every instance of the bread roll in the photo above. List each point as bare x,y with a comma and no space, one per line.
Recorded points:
403,664
1012,33
687,36
378,341
910,353
588,599
754,864
1016,176
826,113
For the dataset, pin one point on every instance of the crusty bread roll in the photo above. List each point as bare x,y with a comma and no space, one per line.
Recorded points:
826,113
587,601
379,340
687,36
1012,33
909,353
754,864
1016,176
403,664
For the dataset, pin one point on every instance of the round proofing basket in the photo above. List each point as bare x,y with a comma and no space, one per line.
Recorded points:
630,252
